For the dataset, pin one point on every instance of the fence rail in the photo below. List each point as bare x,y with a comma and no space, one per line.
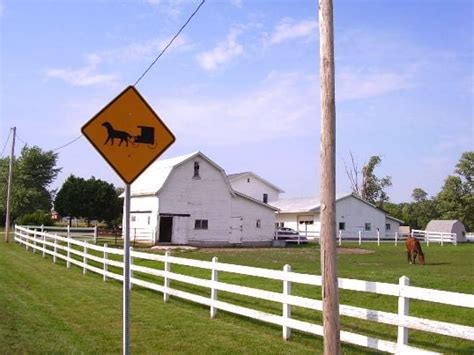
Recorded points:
436,237
66,248
83,233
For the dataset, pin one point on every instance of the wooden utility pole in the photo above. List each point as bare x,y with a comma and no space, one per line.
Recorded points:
330,292
9,188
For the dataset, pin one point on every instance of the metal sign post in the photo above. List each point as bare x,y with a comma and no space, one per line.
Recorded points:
126,274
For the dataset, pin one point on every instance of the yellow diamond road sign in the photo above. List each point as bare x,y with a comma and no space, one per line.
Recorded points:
128,134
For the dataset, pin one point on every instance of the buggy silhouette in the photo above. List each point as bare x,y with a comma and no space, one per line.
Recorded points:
147,136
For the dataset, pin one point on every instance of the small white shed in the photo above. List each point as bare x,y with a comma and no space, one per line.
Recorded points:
448,226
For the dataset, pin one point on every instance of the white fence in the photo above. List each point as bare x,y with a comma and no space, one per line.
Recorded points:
82,233
436,237
67,248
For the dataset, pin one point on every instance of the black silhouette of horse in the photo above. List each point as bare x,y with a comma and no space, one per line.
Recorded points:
112,134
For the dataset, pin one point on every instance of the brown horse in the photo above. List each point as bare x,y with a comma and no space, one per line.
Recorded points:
414,249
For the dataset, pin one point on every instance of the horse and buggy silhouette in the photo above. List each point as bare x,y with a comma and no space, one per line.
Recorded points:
146,136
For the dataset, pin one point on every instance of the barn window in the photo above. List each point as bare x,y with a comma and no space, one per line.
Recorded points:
196,170
388,226
148,220
342,226
248,179
200,224
265,198
368,227
258,224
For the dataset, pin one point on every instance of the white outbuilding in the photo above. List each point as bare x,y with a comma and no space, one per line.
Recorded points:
189,200
353,215
448,226
255,186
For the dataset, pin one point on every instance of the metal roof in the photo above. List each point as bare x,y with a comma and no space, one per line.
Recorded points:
442,225
236,176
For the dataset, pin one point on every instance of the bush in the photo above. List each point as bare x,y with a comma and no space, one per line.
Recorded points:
37,218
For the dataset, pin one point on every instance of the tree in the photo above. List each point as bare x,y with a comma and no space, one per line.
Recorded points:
371,188
71,200
92,199
419,195
33,172
456,198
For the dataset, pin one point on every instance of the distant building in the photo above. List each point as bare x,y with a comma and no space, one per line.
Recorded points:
353,214
448,226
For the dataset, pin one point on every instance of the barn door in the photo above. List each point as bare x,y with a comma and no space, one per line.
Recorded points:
166,229
236,229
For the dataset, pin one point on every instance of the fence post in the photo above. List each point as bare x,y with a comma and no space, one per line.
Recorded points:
27,240
442,234
396,238
44,243
68,252
360,237
105,262
403,310
34,240
55,249
84,269
214,279
166,285
286,306
42,228
68,231
378,237
96,233
340,238
131,268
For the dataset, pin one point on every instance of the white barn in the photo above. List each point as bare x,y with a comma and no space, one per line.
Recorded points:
255,186
448,226
189,200
353,214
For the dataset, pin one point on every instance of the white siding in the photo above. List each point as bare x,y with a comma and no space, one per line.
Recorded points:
355,213
254,187
250,212
143,216
206,198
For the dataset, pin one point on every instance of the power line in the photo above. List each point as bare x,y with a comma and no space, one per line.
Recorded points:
69,143
22,140
6,142
170,42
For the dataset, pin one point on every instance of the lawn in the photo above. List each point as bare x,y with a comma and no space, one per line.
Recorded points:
47,307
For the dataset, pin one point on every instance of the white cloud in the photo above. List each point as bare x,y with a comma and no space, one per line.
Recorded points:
289,29
149,49
84,76
236,3
359,84
283,105
171,8
223,53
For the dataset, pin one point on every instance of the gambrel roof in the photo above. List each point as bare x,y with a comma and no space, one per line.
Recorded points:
154,178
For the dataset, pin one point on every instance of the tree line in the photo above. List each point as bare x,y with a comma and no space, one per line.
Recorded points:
32,199
455,200
96,200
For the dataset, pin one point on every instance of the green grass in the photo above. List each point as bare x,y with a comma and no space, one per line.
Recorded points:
48,308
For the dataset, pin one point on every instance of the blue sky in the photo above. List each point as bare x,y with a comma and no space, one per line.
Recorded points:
241,83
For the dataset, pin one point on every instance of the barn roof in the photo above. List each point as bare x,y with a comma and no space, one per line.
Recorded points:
442,225
302,204
233,177
312,204
153,179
